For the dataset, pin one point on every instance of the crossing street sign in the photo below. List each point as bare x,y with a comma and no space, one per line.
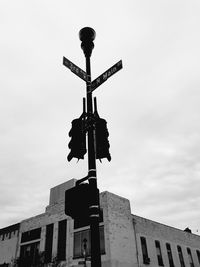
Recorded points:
75,69
107,74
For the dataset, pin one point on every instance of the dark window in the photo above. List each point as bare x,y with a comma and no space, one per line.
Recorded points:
190,257
9,235
180,254
83,237
11,228
198,255
31,235
159,253
29,255
146,259
48,243
169,253
61,252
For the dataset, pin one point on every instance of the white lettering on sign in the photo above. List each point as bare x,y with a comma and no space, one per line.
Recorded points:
107,74
98,81
75,69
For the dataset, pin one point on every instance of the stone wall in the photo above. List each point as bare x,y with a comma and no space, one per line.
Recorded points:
119,232
8,250
8,243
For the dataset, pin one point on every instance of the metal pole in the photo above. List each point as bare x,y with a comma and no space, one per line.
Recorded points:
87,35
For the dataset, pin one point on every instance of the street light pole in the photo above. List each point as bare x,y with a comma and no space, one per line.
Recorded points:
87,36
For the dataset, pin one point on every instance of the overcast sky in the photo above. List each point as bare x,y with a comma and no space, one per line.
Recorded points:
151,105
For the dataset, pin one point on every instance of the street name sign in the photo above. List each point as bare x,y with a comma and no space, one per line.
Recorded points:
75,69
107,74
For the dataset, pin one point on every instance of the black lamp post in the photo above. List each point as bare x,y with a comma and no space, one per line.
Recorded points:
87,36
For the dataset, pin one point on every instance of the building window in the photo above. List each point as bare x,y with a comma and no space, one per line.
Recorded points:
180,254
6,236
29,255
159,253
169,253
82,239
48,243
146,259
190,257
61,252
31,235
198,255
9,235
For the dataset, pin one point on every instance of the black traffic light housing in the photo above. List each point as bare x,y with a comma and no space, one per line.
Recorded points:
102,143
78,200
77,133
101,136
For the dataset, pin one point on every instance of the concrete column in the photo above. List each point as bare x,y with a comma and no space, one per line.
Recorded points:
42,241
55,240
18,245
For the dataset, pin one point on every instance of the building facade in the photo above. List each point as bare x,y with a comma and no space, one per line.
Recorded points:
54,239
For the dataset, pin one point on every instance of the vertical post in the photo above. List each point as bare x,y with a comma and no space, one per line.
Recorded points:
87,35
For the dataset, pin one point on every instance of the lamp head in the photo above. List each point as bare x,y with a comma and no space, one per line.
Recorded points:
87,36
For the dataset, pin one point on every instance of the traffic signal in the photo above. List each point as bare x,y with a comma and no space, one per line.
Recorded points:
77,201
101,136
77,143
